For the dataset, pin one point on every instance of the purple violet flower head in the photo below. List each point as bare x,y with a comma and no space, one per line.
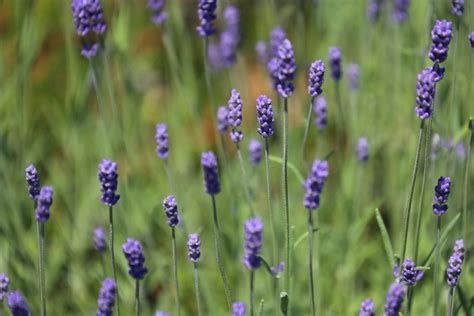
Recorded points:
320,111
442,190
272,69
335,63
136,259
17,304
316,78
277,36
458,7
162,141
286,69
206,14
262,52
425,90
100,242
171,211
367,308
4,283
222,123
441,37
253,235
363,149
32,180
373,11
214,56
438,72
161,313
44,202
159,16
209,165
89,50
314,184
353,75
107,297
108,178
394,299
234,116
194,247
409,275
400,11
255,152
228,43
453,272
471,40
265,116
238,309
278,269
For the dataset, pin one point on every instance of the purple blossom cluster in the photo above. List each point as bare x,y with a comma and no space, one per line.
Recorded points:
335,63
4,283
171,211
194,247
394,300
136,259
222,123
32,181
316,78
108,177
441,37
286,69
314,184
253,235
206,14
442,190
89,20
107,297
320,111
158,15
100,242
363,149
211,173
44,202
238,309
17,304
455,263
162,141
457,7
255,152
400,10
367,308
234,116
265,116
409,276
425,90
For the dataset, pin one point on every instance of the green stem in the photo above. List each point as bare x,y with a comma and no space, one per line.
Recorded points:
408,304
340,111
310,257
245,183
269,196
454,116
207,73
196,287
40,228
137,298
466,190
285,193
217,242
307,127
451,301
175,270
112,255
436,267
252,277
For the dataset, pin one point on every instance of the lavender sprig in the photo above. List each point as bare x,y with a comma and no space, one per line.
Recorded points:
453,272
367,308
158,15
17,304
133,252
107,298
194,253
4,283
394,299
206,14
32,180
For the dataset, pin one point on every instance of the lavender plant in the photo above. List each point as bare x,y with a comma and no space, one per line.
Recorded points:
17,304
367,308
4,283
453,272
238,309
253,235
394,300
255,152
159,16
133,252
107,298
194,254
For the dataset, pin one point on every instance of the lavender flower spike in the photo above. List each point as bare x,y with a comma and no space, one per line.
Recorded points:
107,297
162,141
100,239
353,74
394,299
32,180
425,90
253,234
455,264
440,37
108,177
367,308
265,116
409,275
442,190
458,7
171,210
277,36
335,63
4,283
363,149
314,184
238,309
471,40
222,123
211,173
229,39
373,10
136,260
206,14
234,116
17,304
286,69
400,12
159,16
316,78
320,111
44,202
194,247
255,152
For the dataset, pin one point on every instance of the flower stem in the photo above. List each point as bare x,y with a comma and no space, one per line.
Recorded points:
270,207
310,257
112,255
285,193
436,267
175,270
207,72
137,298
307,127
454,116
451,300
252,277
217,241
40,228
196,287
466,190
245,183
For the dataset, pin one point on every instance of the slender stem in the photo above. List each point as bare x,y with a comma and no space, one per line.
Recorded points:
40,228
217,241
252,277
310,257
270,206
408,304
466,190
451,292
285,193
109,87
244,178
307,127
436,268
175,270
196,287
137,298
340,115
112,255
410,194
453,116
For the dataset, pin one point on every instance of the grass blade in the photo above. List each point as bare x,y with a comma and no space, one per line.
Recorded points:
386,239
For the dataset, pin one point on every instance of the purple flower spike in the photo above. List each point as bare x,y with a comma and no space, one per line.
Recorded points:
253,235
314,184
107,296
454,269
394,299
159,16
171,210
320,111
316,78
400,12
262,52
367,308
335,63
194,248
286,69
136,259
277,36
278,269
265,116
353,74
458,7
409,275
442,190
108,178
234,116
4,283
255,152
209,165
471,40
161,313
425,90
32,180
440,37
222,123
206,14
238,309
162,141
44,202
230,38
363,149
17,304
100,242
373,11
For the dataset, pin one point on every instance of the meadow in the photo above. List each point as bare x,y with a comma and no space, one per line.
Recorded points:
371,207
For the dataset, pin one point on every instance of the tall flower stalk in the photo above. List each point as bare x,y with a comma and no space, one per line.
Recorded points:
453,272
107,298
194,253
253,235
335,63
466,182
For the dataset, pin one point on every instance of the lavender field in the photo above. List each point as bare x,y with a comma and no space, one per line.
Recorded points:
235,157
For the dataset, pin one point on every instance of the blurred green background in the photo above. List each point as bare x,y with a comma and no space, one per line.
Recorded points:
50,117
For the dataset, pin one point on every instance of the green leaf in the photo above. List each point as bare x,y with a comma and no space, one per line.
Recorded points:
422,268
290,165
386,239
268,268
443,239
303,237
